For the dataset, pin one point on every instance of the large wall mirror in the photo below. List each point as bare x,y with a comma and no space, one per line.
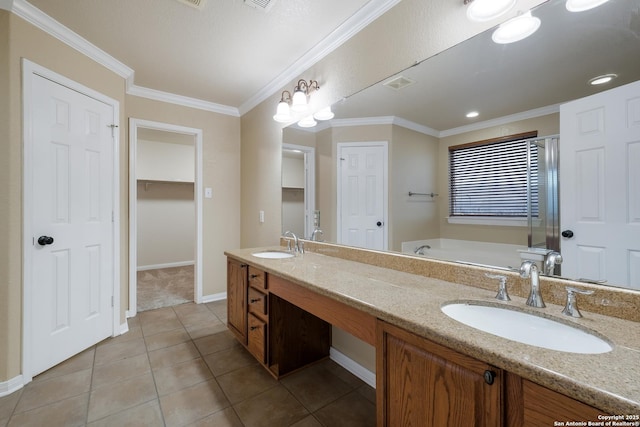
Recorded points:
421,112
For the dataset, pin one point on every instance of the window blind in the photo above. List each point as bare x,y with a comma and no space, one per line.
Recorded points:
490,179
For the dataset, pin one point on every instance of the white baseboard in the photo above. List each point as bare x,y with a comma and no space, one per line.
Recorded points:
167,265
214,297
8,387
124,327
352,366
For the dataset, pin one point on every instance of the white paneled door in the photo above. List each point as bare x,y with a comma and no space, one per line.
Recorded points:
362,193
72,273
600,186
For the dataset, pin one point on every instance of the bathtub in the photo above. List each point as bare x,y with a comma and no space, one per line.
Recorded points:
494,254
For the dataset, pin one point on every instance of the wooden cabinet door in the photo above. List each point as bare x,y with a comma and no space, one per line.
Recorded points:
237,299
424,384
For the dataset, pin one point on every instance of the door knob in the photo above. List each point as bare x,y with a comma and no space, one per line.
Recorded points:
567,233
45,240
379,223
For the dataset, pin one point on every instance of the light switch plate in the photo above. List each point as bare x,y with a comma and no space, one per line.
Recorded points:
208,192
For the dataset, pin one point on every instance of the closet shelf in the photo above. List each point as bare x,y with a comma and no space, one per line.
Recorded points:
163,181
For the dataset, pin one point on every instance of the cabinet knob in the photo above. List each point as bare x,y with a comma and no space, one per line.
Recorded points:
253,276
253,328
255,300
489,377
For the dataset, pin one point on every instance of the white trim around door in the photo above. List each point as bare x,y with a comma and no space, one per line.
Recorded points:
134,125
30,71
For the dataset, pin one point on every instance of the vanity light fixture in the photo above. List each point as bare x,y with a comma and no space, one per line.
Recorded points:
582,5
307,122
300,94
516,29
296,103
600,80
472,114
283,113
486,10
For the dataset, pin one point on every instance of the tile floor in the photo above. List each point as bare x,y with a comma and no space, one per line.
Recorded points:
179,366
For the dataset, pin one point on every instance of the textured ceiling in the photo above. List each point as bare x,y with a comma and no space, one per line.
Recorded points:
225,53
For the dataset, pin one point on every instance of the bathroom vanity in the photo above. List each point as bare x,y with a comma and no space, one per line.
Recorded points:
431,370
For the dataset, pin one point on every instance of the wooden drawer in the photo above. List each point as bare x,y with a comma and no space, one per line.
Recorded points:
257,278
257,338
258,303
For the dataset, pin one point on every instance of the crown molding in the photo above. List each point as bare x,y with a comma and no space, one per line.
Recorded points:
52,27
363,17
530,114
399,121
185,101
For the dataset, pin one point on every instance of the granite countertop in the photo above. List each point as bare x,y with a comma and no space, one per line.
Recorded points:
608,381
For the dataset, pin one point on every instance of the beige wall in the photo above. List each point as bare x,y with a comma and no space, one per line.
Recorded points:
10,259
166,213
545,125
221,161
412,167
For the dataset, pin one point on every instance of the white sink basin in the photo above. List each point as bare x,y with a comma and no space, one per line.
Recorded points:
273,254
526,328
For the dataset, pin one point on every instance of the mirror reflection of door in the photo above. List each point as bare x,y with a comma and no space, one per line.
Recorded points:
166,217
362,195
298,189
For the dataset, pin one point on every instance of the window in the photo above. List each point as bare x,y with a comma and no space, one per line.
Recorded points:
490,178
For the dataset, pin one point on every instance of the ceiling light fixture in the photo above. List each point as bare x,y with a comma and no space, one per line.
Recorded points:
600,80
516,29
486,10
582,5
472,114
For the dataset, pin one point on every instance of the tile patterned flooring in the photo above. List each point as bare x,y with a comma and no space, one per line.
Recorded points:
179,366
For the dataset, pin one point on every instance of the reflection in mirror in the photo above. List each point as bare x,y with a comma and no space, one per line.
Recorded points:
515,88
298,189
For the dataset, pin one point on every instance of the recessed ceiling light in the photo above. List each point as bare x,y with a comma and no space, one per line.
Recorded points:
600,80
486,10
582,5
472,114
516,29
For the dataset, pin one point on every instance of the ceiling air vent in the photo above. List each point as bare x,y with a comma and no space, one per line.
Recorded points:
198,4
263,5
399,82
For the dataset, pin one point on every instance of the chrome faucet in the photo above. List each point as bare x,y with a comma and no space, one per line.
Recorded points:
529,269
314,235
552,259
296,244
571,307
419,250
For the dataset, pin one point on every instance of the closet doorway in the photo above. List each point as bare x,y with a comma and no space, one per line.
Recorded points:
165,215
298,190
